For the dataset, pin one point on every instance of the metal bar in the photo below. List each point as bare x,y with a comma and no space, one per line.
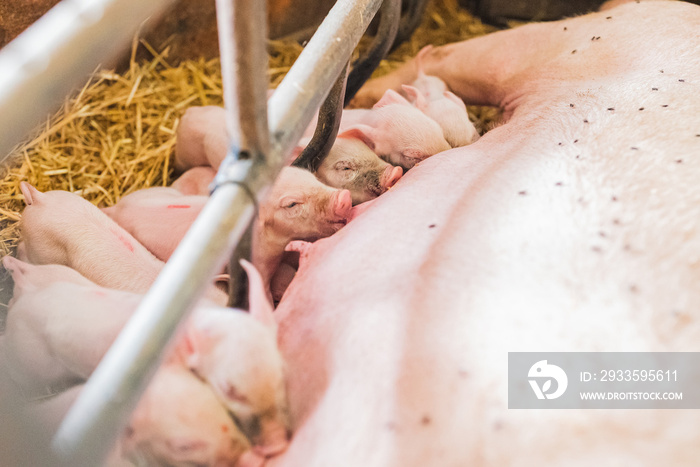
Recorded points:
326,127
245,99
57,54
363,68
300,94
102,410
410,21
244,68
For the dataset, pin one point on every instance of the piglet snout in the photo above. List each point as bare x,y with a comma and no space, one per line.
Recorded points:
390,176
342,204
272,439
247,459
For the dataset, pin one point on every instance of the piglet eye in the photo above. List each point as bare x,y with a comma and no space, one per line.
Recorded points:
343,165
291,205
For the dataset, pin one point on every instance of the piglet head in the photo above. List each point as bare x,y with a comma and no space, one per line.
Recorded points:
237,356
352,165
300,207
179,421
400,133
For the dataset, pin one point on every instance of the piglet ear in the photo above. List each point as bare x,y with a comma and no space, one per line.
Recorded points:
416,97
364,133
391,97
260,306
31,194
18,271
419,59
453,97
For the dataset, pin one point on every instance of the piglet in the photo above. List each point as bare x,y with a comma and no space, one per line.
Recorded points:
59,227
236,354
180,421
195,181
157,217
430,95
30,277
352,165
396,130
298,207
202,138
56,334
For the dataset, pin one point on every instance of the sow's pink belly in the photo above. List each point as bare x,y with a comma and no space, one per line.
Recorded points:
396,329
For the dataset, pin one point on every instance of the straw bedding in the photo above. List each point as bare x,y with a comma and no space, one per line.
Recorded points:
118,133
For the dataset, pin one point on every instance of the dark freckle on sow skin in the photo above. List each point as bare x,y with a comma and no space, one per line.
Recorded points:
614,198
585,120
679,161
608,17
522,193
634,288
611,108
654,89
681,80
575,141
432,226
634,148
597,249
641,108
602,234
573,51
425,420
616,221
559,184
572,105
564,28
561,144
664,105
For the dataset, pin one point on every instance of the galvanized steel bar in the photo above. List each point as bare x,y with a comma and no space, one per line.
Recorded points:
103,408
57,54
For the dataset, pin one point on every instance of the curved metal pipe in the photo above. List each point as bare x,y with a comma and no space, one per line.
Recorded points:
363,67
410,21
329,116
57,54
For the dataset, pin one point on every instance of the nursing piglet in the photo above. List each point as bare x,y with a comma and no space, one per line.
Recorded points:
59,227
430,95
56,334
179,421
298,207
396,130
352,165
157,217
237,354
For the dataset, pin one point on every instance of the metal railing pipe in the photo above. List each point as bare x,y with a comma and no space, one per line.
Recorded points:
102,410
57,54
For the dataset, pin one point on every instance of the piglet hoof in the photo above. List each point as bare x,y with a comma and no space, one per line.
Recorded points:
300,246
250,459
